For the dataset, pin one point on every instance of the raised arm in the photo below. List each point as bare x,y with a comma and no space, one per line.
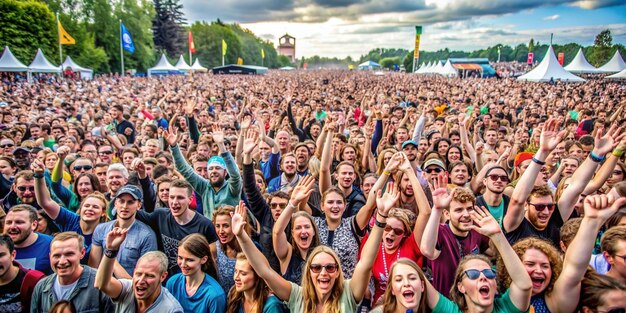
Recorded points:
104,277
280,286
565,295
423,207
41,191
441,201
199,183
325,181
521,287
57,171
606,170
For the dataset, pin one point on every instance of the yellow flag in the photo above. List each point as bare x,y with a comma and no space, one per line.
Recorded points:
64,37
262,53
224,47
239,61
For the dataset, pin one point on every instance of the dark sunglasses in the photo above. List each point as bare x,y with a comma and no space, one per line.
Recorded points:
543,206
435,169
82,167
281,205
24,188
7,145
474,274
397,231
502,178
105,152
617,310
330,268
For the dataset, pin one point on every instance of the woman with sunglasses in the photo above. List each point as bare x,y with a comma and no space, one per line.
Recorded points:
557,282
304,234
323,286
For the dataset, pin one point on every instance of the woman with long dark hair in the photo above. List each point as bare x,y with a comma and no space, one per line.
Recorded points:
250,294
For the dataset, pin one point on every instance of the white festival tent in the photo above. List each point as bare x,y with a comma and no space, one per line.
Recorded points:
615,64
448,70
182,65
163,67
9,63
620,75
580,65
423,68
437,68
427,67
198,67
42,65
85,73
550,69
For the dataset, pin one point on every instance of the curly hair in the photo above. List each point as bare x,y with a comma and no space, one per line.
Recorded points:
545,247
463,195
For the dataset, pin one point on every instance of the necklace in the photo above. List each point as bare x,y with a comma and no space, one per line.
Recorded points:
382,248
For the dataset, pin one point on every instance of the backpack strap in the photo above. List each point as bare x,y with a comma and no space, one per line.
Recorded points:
28,286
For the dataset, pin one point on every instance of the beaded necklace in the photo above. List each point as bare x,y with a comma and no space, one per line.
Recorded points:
382,248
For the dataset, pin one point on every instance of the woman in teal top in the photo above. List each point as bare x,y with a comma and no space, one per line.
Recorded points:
194,288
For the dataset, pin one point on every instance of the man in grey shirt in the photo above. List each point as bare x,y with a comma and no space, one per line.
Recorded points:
144,292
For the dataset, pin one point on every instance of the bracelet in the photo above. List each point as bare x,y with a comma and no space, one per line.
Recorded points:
386,172
618,153
379,224
111,254
596,158
289,204
38,175
385,216
542,163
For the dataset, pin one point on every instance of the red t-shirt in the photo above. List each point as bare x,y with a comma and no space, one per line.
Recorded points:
408,249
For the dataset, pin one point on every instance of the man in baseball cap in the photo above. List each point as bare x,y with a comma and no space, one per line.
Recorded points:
22,158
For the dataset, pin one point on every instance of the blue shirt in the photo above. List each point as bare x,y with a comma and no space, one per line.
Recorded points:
208,298
139,240
37,255
70,221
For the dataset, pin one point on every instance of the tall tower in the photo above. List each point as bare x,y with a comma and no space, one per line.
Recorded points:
287,47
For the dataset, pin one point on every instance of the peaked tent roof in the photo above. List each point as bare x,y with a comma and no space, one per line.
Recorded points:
42,65
198,67
163,66
369,64
550,69
420,68
437,68
615,64
580,65
182,65
448,70
9,63
85,73
429,68
620,75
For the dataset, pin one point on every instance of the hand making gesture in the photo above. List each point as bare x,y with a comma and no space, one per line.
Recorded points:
441,197
250,141
385,202
171,136
484,223
550,135
115,238
303,190
239,218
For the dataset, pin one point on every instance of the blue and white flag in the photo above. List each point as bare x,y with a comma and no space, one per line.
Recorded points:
127,40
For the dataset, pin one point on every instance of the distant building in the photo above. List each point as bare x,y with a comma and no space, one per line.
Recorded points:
287,47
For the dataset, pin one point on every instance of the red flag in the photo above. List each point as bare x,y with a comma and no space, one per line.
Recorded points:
561,58
192,47
530,57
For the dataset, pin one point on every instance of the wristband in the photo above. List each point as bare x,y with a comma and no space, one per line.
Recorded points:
111,254
379,224
386,172
538,162
385,216
38,175
596,158
618,153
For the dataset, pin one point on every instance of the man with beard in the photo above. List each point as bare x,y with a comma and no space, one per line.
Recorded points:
215,190
409,148
22,158
122,126
31,248
144,292
494,199
71,281
302,158
22,191
446,244
289,177
173,224
16,282
142,239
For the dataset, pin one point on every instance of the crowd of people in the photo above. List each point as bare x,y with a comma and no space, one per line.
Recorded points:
320,191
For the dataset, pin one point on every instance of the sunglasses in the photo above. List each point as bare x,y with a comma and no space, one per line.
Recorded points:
474,274
502,178
24,188
397,231
8,145
436,170
281,205
617,310
330,268
106,152
82,167
543,206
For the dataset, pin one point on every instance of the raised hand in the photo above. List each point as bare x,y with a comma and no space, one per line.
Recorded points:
604,143
138,166
303,190
37,166
218,134
238,218
550,135
394,163
386,201
251,141
246,122
406,164
115,238
484,223
171,136
190,106
441,197
63,152
602,206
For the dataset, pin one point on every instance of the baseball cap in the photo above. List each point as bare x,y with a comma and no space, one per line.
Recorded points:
521,157
217,161
132,190
18,149
435,162
409,142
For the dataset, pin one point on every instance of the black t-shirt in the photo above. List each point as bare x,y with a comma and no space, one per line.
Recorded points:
551,233
10,300
169,232
121,127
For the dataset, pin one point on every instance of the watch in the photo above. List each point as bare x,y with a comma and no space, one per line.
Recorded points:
111,254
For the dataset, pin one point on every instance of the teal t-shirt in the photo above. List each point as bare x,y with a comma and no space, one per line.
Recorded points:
501,304
497,212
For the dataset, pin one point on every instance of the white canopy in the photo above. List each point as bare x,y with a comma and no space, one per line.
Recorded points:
580,65
287,68
42,65
162,67
550,69
620,75
615,64
9,63
420,70
448,70
182,65
85,73
197,67
437,68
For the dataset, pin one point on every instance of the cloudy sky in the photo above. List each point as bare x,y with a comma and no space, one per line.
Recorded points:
338,28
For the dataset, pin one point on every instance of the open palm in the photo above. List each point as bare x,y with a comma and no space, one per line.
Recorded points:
485,223
239,218
386,201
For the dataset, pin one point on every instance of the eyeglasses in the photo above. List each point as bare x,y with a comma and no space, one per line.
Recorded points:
397,231
106,152
433,169
502,178
543,206
24,188
281,205
8,145
623,257
474,274
82,167
330,268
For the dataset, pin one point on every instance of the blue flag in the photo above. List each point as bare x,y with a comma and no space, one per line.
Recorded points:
127,40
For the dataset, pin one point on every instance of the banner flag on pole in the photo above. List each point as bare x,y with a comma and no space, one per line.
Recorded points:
64,36
239,61
224,47
127,40
416,54
262,53
192,46
561,58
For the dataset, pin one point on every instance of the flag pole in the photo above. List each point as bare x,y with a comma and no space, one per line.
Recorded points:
121,48
59,38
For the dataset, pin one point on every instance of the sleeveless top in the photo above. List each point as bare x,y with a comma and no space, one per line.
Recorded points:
295,268
538,304
225,269
343,240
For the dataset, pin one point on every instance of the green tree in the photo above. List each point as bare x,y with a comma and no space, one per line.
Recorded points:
601,51
603,39
531,45
167,26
